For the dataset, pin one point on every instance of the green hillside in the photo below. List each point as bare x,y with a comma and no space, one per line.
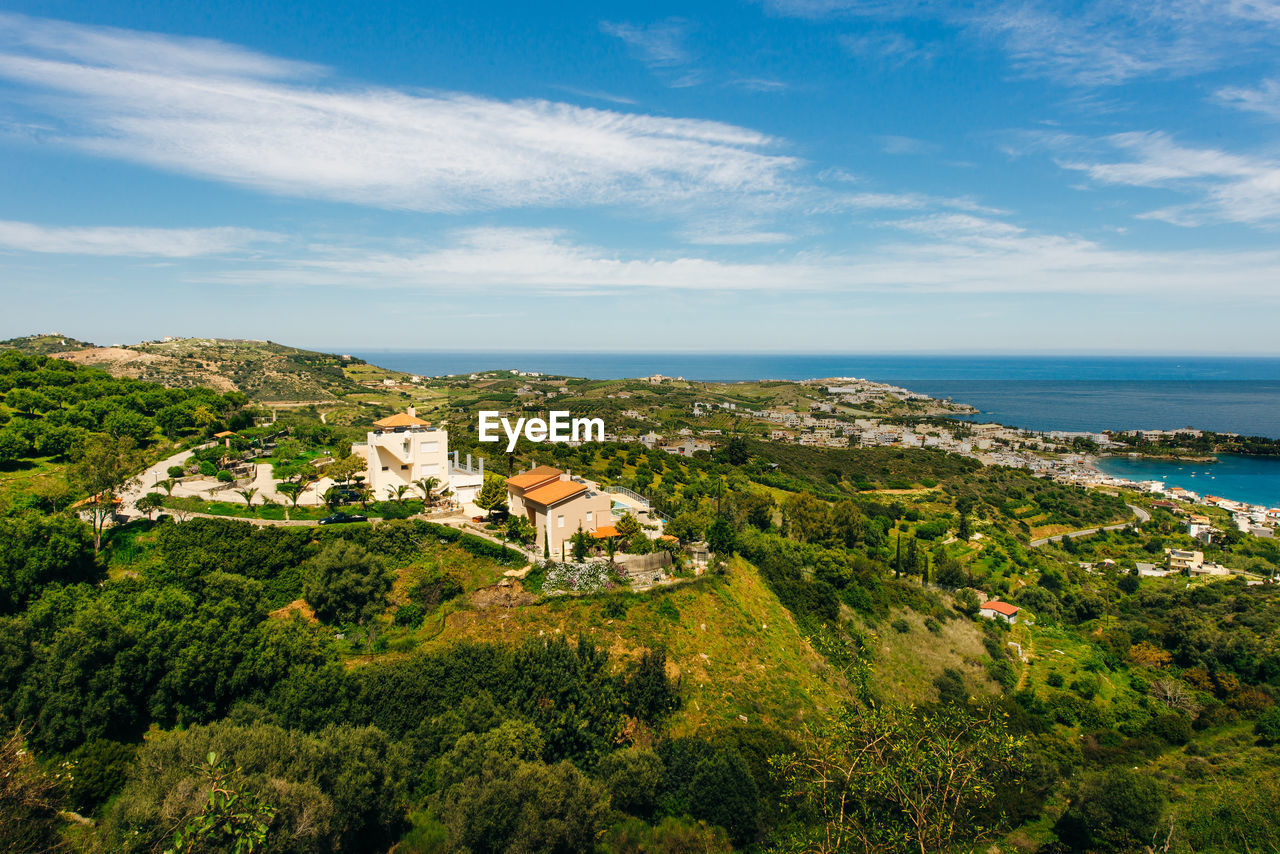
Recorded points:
44,345
356,687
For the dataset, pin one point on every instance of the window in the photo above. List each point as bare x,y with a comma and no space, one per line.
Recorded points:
429,447
384,468
588,517
430,468
560,521
404,468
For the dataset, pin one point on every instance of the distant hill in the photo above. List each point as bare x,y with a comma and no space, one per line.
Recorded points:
44,345
263,370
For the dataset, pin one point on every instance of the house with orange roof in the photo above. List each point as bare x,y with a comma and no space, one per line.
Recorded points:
558,504
226,436
997,610
404,448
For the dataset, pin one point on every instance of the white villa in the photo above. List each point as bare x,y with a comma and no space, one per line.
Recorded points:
404,448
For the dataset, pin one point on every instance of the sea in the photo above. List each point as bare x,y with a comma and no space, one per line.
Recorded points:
1239,478
1078,393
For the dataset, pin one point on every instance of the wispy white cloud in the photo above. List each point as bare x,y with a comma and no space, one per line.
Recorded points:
854,8
131,242
597,95
658,45
952,253
111,47
1227,187
663,47
1263,98
1094,43
907,145
734,233
871,201
760,84
887,48
218,112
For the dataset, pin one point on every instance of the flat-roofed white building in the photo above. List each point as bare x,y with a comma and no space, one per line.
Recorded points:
403,448
1185,560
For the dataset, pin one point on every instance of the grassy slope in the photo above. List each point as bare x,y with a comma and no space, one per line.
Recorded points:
905,665
22,479
735,648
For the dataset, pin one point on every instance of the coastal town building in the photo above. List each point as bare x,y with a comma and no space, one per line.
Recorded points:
1210,568
1185,560
558,505
689,447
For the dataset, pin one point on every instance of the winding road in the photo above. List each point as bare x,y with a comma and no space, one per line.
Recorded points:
1142,515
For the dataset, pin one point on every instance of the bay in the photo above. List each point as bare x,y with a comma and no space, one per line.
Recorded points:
1251,479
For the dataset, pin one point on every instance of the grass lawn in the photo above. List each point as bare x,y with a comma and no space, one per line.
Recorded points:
276,512
239,510
25,478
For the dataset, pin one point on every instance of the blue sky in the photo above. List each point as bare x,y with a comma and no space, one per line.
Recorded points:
789,175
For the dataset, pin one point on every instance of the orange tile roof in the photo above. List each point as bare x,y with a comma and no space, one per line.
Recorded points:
115,500
999,607
401,419
667,537
225,433
604,532
553,492
534,477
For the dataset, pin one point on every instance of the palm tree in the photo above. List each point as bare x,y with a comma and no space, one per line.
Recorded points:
247,495
364,495
400,490
427,485
167,485
293,490
332,498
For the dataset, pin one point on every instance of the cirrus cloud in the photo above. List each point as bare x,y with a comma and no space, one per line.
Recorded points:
215,111
129,242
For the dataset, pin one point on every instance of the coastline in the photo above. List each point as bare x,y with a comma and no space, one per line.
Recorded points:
1182,458
1246,482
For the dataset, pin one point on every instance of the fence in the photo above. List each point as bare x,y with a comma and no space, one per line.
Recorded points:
635,496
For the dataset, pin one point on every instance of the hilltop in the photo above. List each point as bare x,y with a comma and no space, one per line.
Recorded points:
44,345
263,370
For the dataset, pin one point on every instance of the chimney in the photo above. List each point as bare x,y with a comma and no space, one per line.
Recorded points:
412,411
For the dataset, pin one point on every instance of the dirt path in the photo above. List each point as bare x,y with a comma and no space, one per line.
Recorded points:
1028,652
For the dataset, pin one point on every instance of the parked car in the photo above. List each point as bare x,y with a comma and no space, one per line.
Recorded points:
343,518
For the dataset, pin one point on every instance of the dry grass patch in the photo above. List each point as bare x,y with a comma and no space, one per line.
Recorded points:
905,665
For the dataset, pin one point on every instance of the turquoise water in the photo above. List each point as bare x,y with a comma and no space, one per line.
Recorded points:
1252,479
